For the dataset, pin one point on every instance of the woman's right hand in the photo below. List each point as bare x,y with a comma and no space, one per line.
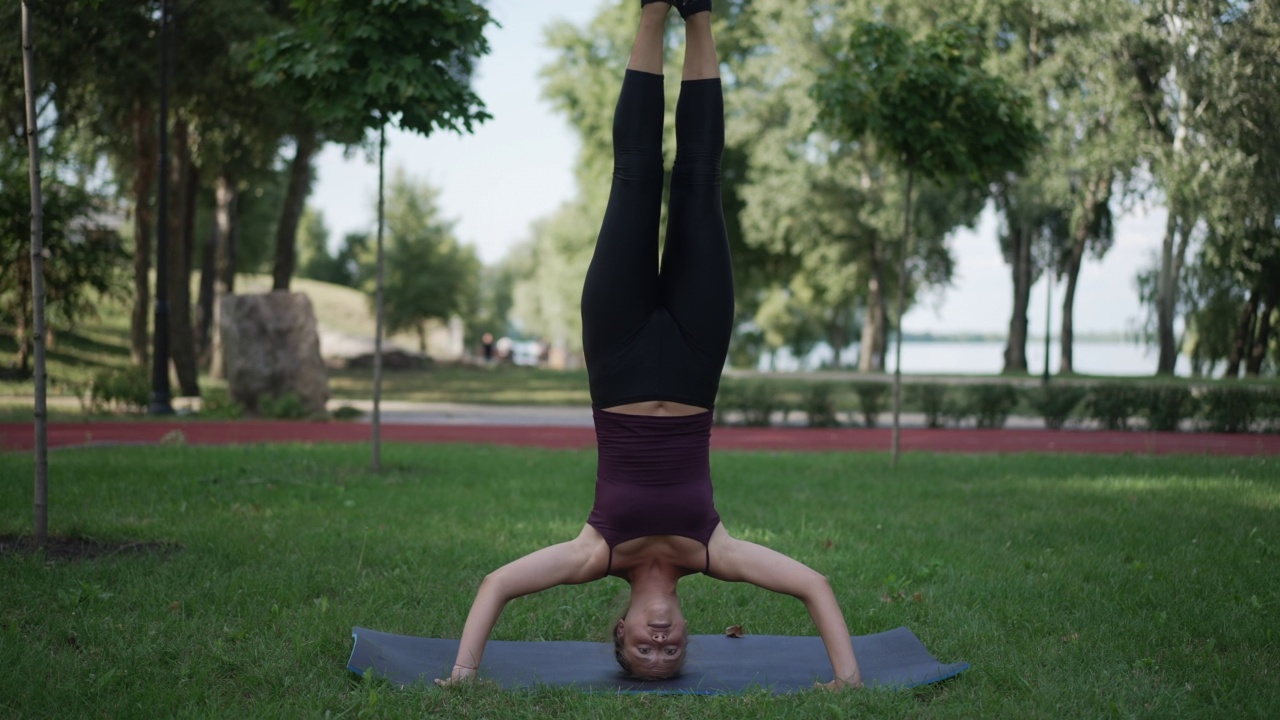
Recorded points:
460,674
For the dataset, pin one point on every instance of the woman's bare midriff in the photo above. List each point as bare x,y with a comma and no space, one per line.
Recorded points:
656,407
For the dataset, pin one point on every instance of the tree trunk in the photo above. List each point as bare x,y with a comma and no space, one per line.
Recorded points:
181,234
1173,251
227,223
295,200
1261,338
838,335
1244,336
1015,350
902,311
40,504
1067,337
871,348
378,310
204,303
144,174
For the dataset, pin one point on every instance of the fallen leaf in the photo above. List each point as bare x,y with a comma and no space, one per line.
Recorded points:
734,631
829,544
1070,638
175,606
917,597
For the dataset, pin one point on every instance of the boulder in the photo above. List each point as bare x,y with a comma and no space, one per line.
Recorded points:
270,347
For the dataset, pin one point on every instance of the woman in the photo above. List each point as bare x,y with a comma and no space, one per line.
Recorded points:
655,340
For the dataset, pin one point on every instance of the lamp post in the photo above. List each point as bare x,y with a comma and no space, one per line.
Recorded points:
1048,315
160,396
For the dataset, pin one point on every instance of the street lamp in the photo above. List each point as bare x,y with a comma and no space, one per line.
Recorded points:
160,353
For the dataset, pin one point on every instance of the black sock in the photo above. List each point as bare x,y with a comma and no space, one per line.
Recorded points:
690,7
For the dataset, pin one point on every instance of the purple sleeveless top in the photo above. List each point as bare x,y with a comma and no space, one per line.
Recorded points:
653,477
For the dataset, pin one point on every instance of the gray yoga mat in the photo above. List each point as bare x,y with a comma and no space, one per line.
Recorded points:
716,664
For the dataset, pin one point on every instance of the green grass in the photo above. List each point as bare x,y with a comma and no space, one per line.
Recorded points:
1077,586
498,385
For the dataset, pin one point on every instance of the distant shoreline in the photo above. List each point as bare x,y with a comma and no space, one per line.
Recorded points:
928,337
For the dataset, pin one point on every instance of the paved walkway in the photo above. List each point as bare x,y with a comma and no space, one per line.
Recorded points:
570,427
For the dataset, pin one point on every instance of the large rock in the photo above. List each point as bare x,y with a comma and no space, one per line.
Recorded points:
270,347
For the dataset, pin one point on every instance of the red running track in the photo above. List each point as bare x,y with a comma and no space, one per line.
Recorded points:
21,437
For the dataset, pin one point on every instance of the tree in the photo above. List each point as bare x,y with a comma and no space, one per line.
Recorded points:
82,259
430,275
40,503
352,66
932,109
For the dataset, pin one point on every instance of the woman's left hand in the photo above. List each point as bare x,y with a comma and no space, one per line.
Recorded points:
459,675
854,683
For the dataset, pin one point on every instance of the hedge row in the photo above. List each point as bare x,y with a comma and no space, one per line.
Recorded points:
1112,405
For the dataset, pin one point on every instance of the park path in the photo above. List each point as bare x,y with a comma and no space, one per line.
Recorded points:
565,428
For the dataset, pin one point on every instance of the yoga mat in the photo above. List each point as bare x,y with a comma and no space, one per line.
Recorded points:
716,664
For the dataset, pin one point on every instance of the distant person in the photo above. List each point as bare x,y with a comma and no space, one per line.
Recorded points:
486,348
655,339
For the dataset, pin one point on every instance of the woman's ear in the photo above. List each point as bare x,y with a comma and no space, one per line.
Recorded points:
619,629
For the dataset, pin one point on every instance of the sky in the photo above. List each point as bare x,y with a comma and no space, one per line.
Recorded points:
518,167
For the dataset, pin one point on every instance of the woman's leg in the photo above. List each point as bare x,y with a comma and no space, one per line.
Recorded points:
697,274
621,287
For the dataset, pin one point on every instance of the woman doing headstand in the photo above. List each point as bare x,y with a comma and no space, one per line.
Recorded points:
655,339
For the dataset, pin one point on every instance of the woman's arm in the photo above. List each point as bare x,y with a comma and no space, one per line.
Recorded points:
564,564
741,561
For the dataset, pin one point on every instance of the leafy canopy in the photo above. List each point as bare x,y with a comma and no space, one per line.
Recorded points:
929,102
357,64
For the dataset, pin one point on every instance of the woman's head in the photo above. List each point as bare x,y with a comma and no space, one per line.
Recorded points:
650,640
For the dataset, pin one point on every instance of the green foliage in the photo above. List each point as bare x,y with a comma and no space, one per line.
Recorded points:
1113,404
929,103
429,275
218,403
355,65
285,406
990,404
819,405
754,400
1166,406
1268,410
83,260
1056,403
119,390
1228,409
932,398
871,400
347,412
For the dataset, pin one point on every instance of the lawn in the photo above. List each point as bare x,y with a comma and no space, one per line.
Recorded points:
1078,587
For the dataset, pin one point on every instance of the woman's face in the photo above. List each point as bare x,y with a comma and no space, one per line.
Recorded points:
654,637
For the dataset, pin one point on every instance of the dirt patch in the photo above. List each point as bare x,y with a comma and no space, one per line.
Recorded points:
83,548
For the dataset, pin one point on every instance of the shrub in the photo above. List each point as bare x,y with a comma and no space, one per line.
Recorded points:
755,399
931,398
346,412
1056,402
285,406
217,402
820,406
124,389
1166,406
1268,411
956,411
1112,405
1230,409
991,404
871,400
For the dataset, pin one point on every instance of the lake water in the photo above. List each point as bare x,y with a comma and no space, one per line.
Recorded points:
987,357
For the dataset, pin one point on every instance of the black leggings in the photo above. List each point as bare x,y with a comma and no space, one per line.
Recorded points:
653,333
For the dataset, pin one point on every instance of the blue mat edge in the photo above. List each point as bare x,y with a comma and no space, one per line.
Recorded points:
960,667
